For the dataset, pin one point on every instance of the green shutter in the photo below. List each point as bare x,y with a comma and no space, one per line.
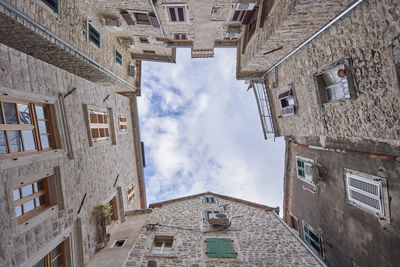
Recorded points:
220,248
300,168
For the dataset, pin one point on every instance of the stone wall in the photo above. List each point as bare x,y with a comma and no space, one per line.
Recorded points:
351,236
258,236
90,170
368,38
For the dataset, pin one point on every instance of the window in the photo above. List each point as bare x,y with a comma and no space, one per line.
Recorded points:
162,245
243,13
220,248
176,14
214,10
131,193
113,214
286,100
209,200
24,128
53,4
143,40
122,123
180,36
252,24
99,125
150,52
365,191
304,169
94,36
118,243
312,238
118,57
55,258
30,199
141,18
294,223
208,212
334,83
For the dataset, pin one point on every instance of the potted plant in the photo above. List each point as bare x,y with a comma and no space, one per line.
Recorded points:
103,211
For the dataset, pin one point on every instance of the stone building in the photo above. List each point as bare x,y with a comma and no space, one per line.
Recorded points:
209,229
68,141
344,206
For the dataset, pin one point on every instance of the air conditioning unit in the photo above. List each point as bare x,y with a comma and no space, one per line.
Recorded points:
218,219
245,6
126,42
312,172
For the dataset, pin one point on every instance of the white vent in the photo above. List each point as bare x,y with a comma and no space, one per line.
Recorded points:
218,219
242,6
365,192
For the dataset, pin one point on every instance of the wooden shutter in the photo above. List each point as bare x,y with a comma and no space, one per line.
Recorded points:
220,248
365,192
154,21
127,17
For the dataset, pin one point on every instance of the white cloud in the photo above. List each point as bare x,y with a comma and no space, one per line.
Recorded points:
202,132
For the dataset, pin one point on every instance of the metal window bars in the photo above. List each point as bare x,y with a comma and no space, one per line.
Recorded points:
264,109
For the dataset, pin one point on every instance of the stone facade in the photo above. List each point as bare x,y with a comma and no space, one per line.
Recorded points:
351,235
87,175
259,238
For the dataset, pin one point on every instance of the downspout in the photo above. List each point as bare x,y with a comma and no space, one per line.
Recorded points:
300,240
66,44
162,32
330,23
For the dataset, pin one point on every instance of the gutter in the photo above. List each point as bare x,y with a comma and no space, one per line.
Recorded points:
326,26
63,42
300,240
162,32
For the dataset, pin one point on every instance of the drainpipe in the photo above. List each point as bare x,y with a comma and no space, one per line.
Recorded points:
162,32
330,23
19,13
300,240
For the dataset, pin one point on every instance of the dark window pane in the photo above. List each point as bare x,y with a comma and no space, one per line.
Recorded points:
1,116
16,194
57,262
180,14
44,127
3,143
29,141
18,211
27,190
38,186
46,141
28,206
41,263
10,113
55,251
24,114
40,201
172,13
14,139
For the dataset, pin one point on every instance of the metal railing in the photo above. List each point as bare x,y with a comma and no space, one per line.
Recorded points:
264,109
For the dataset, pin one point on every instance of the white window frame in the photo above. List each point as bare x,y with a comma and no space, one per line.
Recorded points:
185,13
381,196
122,123
315,232
305,160
163,240
119,239
131,194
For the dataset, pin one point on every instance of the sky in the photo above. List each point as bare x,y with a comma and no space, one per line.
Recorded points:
202,132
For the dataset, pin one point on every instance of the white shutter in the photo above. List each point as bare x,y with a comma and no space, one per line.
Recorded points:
365,192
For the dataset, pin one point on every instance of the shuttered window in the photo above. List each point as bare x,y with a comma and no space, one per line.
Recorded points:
122,123
176,14
180,36
220,248
94,36
312,238
131,193
208,212
209,200
286,100
300,168
365,192
118,57
99,125
53,4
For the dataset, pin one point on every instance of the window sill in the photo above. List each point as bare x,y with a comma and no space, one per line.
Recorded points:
151,255
38,218
30,158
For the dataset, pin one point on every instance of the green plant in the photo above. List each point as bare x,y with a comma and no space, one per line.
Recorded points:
104,209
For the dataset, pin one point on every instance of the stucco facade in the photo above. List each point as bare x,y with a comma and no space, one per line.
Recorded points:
257,235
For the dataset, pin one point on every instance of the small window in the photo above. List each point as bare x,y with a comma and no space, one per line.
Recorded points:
55,258
286,100
214,10
24,128
30,199
118,243
209,200
252,24
143,40
141,18
180,36
294,223
162,245
208,212
53,4
176,14
94,36
304,169
312,239
131,193
99,125
150,52
220,248
118,57
365,192
334,83
122,124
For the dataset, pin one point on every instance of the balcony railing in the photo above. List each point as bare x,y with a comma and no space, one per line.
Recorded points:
264,109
